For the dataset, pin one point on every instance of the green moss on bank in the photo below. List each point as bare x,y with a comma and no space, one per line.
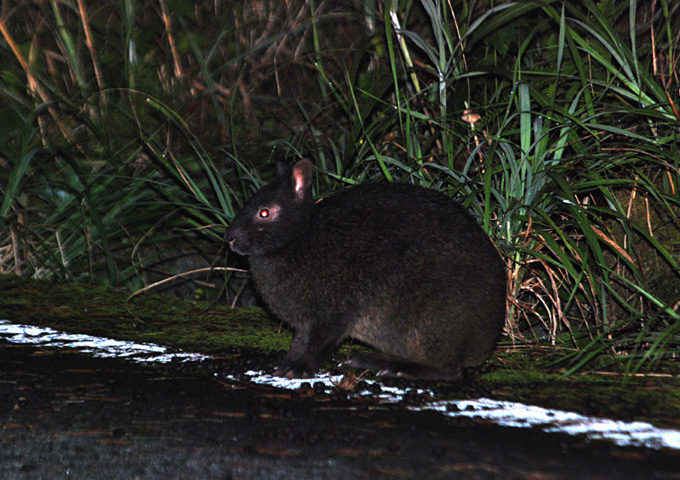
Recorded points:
531,375
186,324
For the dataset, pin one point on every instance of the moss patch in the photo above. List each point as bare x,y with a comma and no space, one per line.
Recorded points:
531,376
186,324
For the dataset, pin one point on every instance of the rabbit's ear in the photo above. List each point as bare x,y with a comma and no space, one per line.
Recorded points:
301,176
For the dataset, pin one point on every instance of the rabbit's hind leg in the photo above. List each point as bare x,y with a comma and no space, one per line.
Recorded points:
388,366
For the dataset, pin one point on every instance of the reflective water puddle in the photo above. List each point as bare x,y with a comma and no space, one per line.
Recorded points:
508,414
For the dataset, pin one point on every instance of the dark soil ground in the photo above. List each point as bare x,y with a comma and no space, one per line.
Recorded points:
67,415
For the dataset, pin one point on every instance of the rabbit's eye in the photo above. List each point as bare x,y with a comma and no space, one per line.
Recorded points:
269,213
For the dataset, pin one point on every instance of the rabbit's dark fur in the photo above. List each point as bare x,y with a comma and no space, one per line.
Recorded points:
404,269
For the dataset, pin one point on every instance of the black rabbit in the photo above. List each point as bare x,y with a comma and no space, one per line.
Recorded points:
401,268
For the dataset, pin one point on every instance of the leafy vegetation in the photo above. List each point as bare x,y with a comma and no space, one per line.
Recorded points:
130,133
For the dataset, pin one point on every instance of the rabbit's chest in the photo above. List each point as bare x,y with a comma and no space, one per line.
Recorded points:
281,285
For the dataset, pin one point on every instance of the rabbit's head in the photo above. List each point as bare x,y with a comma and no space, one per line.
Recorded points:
276,215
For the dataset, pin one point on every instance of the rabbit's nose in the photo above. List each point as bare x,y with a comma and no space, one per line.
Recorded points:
233,239
229,235
229,238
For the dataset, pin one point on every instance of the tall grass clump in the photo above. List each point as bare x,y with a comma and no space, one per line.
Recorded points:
132,132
